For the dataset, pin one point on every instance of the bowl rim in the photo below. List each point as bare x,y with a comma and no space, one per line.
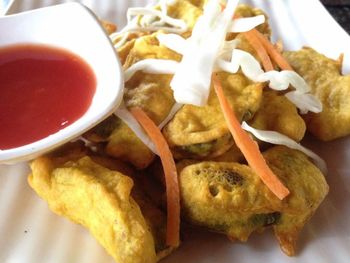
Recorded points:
78,127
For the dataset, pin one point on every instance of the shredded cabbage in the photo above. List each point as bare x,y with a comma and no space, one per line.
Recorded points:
173,41
304,101
241,59
152,66
191,82
245,24
280,80
179,44
281,139
204,52
149,19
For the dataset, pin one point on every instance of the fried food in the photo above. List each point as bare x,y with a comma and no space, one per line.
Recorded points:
103,201
187,10
119,141
230,198
249,11
147,194
285,120
150,92
233,154
333,89
153,94
122,207
201,132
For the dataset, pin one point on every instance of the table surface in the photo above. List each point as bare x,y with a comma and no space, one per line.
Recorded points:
340,10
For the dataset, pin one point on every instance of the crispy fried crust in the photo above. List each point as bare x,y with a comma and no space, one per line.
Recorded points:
333,90
206,125
230,198
277,113
98,199
117,140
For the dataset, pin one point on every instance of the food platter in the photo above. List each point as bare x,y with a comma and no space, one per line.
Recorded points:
31,233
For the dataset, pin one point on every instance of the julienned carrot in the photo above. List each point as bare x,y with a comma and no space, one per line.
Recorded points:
272,51
171,180
260,49
248,147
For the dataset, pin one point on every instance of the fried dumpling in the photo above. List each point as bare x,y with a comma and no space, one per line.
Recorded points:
230,198
333,89
117,140
277,113
201,132
117,213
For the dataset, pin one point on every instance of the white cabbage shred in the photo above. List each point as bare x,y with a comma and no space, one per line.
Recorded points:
281,139
152,66
191,82
149,19
173,41
304,101
245,24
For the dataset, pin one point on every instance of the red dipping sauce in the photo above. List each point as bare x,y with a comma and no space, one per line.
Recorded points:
42,90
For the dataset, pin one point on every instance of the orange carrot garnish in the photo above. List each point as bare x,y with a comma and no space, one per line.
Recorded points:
272,51
248,147
171,180
255,42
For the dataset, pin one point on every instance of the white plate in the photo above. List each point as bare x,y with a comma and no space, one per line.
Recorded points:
30,233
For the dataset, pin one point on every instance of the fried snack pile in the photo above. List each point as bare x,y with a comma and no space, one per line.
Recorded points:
116,187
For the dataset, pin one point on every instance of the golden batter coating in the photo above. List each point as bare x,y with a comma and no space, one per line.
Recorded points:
117,140
117,213
330,87
277,113
150,92
204,126
230,198
187,10
98,199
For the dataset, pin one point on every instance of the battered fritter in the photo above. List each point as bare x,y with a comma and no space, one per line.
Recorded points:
102,200
118,140
230,198
330,87
277,113
201,132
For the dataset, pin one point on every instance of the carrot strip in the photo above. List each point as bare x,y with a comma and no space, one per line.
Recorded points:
260,49
248,147
171,180
272,51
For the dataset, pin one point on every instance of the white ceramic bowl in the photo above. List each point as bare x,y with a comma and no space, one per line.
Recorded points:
75,28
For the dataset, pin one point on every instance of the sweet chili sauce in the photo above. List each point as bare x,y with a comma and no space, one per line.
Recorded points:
42,90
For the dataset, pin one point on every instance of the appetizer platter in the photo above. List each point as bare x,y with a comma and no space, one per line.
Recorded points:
230,143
